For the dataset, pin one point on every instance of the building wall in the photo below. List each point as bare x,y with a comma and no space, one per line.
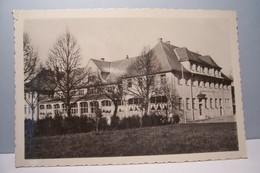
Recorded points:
217,101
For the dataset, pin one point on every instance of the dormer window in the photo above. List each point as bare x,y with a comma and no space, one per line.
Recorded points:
91,78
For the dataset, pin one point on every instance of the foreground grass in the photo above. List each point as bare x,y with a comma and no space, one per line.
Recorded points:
170,139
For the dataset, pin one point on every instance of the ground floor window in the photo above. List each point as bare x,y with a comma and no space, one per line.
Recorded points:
187,103
63,108
74,108
83,107
56,109
93,106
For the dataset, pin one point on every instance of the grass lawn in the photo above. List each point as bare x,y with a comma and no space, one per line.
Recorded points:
170,139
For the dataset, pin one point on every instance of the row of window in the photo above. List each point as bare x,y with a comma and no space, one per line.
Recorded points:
189,82
150,81
217,103
205,70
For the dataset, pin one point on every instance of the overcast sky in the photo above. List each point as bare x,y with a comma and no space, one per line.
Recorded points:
114,38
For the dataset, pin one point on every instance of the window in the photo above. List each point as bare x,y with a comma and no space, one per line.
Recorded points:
110,88
220,102
91,90
216,103
42,107
192,83
83,108
151,79
193,103
180,104
91,78
158,99
187,103
163,78
201,83
135,101
120,102
140,82
81,92
25,109
56,109
186,81
64,110
93,106
179,81
73,93
106,103
74,108
129,83
206,103
211,103
49,107
198,68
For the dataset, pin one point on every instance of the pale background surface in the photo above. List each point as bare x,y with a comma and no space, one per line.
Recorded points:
250,165
249,44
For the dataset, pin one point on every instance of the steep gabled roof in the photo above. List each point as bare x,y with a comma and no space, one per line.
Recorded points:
207,59
102,65
169,57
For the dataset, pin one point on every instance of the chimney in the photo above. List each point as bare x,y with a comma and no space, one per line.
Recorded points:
102,59
159,40
168,42
127,57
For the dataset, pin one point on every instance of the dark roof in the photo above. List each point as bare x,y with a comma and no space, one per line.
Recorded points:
169,57
42,82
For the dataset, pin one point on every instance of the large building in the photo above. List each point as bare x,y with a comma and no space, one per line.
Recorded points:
203,90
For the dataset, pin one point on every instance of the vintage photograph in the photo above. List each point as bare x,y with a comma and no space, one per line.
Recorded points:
121,86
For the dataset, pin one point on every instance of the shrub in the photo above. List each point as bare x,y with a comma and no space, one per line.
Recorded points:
114,123
29,128
129,122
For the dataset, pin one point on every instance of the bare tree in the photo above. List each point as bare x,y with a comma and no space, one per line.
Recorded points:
64,59
141,75
31,59
114,92
31,68
174,101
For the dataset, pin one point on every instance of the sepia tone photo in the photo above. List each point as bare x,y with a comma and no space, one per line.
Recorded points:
121,86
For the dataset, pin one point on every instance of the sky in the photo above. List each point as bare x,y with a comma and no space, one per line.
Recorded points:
115,38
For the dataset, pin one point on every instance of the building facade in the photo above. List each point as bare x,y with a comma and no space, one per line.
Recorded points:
203,90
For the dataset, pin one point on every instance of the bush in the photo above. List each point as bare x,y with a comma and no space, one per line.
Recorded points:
129,122
29,128
114,123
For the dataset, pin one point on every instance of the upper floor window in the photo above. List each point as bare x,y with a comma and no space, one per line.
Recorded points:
42,107
158,99
91,90
140,81
179,81
180,104
129,83
151,79
81,92
91,78
211,103
193,103
135,101
106,103
49,107
163,78
186,81
187,103
198,68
